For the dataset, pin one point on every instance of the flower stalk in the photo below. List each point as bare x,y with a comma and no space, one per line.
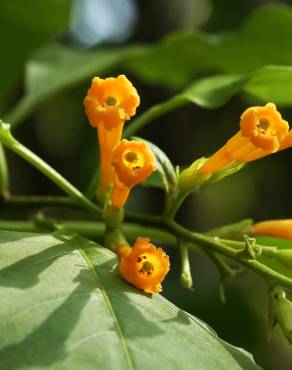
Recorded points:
186,275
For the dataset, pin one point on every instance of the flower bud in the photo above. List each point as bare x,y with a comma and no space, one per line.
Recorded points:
283,314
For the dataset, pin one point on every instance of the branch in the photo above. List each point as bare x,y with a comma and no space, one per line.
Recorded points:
216,245
38,201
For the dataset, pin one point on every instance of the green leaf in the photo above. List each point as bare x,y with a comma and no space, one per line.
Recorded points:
164,166
67,307
263,39
25,26
154,181
271,83
56,68
214,91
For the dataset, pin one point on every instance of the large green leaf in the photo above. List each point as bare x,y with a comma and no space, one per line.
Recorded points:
64,306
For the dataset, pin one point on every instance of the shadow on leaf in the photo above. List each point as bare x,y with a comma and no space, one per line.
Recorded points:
46,345
25,273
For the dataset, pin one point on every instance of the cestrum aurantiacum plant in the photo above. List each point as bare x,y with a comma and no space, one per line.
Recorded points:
124,164
109,103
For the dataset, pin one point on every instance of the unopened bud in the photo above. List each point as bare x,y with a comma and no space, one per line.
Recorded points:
283,314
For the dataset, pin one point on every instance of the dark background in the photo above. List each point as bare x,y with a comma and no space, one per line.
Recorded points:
59,133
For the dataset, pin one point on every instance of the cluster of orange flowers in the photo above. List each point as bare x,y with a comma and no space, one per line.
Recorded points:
123,164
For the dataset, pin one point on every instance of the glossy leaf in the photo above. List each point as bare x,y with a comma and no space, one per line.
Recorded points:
67,307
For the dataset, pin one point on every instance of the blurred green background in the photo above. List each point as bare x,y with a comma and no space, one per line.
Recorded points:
57,130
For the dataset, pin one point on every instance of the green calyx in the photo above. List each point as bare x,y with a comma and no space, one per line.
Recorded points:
190,178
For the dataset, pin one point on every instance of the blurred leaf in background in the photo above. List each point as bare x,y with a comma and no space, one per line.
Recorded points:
25,26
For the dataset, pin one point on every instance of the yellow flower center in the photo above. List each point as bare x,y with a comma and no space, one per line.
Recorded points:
263,125
111,101
133,160
145,266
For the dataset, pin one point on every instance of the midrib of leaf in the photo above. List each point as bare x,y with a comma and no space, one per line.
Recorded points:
122,339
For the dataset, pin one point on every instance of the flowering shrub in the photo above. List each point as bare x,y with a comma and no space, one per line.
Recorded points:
81,273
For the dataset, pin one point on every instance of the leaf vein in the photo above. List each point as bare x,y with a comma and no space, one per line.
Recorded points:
119,331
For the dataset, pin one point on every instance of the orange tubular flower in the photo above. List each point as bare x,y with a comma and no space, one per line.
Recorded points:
108,104
144,265
133,163
262,132
277,228
287,142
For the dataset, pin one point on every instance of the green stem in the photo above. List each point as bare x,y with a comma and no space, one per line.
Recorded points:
38,201
226,272
66,202
95,230
4,173
175,205
144,219
52,174
154,112
217,246
238,245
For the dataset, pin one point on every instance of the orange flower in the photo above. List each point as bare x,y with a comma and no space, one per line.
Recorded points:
262,132
287,142
144,265
133,163
110,101
277,228
108,104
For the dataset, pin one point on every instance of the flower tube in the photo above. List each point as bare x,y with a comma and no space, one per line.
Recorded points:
262,132
144,266
108,104
133,162
277,228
